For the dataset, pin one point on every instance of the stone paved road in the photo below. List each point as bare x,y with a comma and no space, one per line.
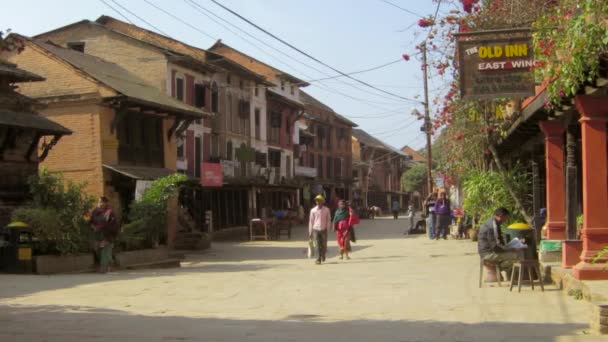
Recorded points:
395,288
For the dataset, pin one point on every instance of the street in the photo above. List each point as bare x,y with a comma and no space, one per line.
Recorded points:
395,288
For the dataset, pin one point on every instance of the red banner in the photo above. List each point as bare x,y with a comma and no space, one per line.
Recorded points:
212,174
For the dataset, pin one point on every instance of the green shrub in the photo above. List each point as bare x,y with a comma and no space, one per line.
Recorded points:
56,213
485,191
148,217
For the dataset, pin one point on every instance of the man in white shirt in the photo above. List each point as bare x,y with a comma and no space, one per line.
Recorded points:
318,225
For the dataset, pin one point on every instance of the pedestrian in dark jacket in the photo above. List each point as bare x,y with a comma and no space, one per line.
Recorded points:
444,216
491,244
105,228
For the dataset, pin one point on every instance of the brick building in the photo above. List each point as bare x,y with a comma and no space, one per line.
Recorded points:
283,110
325,155
377,168
124,129
21,132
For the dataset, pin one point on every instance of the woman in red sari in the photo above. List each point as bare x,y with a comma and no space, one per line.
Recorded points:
341,227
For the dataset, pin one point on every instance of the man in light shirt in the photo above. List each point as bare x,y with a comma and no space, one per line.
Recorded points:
318,225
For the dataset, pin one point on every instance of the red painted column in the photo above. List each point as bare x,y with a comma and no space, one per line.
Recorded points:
554,164
594,117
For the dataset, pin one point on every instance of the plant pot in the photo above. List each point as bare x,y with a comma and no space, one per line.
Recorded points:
571,253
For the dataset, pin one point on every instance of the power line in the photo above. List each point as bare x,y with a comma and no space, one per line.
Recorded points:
359,72
181,20
310,56
140,18
117,11
201,8
403,9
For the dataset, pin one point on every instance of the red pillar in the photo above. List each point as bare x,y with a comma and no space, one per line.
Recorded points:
594,116
554,164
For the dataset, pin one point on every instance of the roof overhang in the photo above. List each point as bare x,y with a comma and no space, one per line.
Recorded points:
32,121
140,172
280,98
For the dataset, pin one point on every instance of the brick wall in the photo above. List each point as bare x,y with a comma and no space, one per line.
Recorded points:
139,58
78,156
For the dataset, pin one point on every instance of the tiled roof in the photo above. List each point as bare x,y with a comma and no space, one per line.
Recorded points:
14,74
119,79
31,120
369,140
311,101
271,73
415,155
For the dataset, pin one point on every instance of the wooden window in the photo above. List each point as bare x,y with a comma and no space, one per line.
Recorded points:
241,84
180,147
320,167
282,85
293,90
312,160
76,46
256,91
198,156
229,150
338,168
140,141
179,89
215,98
228,79
257,123
200,93
274,158
329,131
329,167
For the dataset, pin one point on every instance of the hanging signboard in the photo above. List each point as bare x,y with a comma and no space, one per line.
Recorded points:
212,174
494,68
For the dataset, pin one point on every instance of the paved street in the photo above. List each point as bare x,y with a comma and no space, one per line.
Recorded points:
395,288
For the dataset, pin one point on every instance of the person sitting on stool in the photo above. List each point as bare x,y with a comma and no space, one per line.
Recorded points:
491,244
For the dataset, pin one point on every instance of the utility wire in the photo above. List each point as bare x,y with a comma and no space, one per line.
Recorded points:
403,9
140,18
359,72
181,20
200,8
310,56
117,11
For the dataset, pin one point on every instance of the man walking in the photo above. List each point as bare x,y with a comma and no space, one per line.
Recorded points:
318,224
395,208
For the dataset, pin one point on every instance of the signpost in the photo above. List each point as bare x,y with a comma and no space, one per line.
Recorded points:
494,68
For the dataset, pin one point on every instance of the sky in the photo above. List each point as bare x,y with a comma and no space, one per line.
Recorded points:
349,35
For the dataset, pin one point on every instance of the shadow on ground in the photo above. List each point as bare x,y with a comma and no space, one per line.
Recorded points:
63,323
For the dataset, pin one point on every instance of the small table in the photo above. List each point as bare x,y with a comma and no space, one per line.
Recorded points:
265,223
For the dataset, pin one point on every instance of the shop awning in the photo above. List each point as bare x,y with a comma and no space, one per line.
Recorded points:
140,172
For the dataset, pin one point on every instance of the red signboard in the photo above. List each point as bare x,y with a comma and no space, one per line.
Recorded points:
212,174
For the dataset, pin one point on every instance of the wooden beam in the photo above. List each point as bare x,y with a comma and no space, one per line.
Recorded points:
119,114
33,145
47,148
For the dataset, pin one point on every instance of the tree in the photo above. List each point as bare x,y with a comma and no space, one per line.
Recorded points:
414,178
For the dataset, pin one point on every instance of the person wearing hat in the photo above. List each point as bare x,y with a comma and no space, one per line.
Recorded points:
318,224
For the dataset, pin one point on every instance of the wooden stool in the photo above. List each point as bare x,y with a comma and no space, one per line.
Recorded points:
481,264
523,266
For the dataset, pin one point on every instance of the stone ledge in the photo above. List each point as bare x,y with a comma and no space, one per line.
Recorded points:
51,264
595,291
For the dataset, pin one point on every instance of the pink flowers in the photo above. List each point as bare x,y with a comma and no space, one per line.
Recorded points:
406,57
426,22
